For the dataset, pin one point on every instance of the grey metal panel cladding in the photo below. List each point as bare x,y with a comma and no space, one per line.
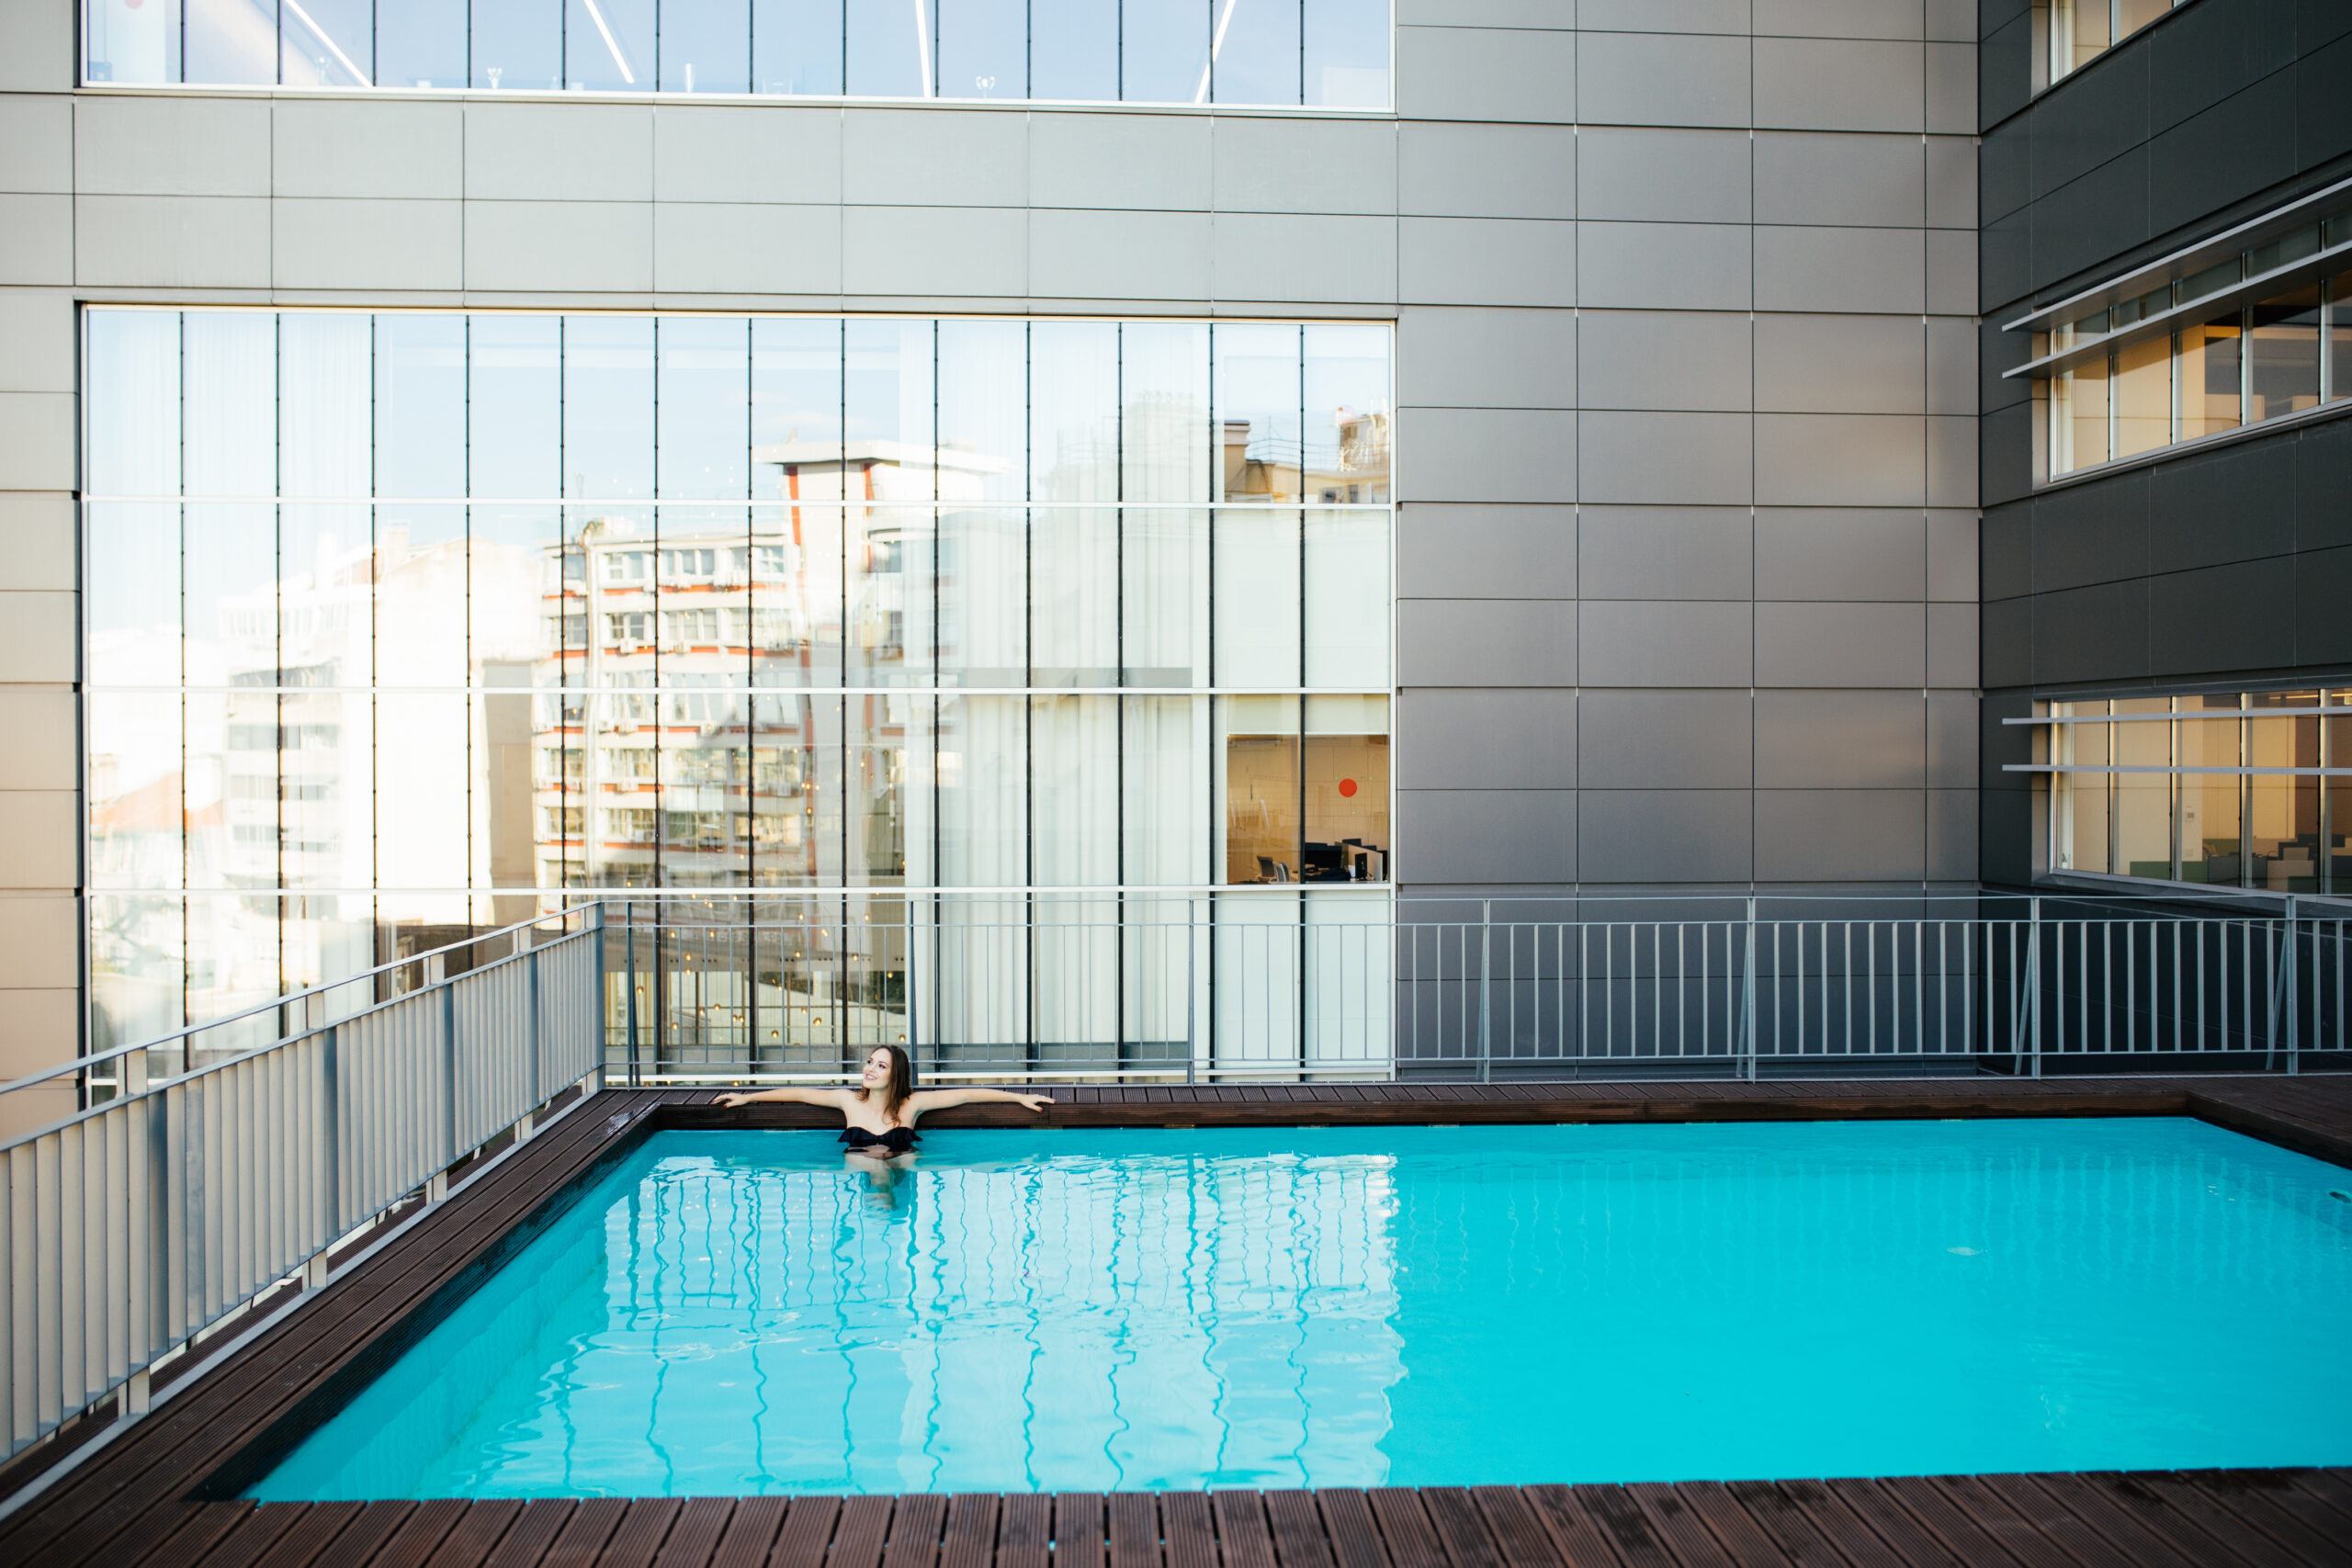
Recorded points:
1487,836
1840,739
1660,174
2322,587
2089,634
2235,504
1665,552
1449,551
1665,835
1843,835
1665,739
2239,617
2098,113
2324,486
1485,642
1511,738
2089,532
2243,145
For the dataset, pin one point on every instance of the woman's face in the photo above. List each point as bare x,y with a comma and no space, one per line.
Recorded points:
877,1070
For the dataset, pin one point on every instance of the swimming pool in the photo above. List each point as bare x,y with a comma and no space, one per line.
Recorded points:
734,1313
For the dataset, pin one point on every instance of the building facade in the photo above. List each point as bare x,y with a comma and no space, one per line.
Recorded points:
2167,353
1299,456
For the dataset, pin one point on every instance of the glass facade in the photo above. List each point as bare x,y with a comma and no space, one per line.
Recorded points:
1328,53
2231,789
2070,34
407,625
2202,372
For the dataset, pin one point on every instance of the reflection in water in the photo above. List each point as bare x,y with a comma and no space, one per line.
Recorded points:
747,1312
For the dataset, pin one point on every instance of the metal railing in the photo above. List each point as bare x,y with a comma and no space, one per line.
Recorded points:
205,1171
219,1164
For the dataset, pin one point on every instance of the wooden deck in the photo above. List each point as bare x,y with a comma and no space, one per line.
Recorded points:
146,1495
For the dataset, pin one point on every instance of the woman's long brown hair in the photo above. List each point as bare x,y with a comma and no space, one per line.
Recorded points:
902,1081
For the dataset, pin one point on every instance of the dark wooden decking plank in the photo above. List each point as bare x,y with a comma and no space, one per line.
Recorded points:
421,1533
860,1533
2127,1530
1405,1528
362,1540
2332,1488
969,1538
1188,1532
1025,1531
1942,1517
253,1537
648,1524
1077,1529
1453,1514
1797,1533
1354,1533
476,1534
917,1523
306,1540
2277,1512
1843,1507
1297,1525
582,1539
807,1531
1677,1525
2055,1521
533,1530
750,1534
2016,1534
1133,1533
2222,1536
1587,1540
1517,1530
193,1531
1241,1530
1744,1536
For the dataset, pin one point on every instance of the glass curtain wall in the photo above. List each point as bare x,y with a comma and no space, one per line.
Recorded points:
2249,790
2070,34
2205,372
407,625
1330,54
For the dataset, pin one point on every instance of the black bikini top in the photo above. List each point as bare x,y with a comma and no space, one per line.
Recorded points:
897,1140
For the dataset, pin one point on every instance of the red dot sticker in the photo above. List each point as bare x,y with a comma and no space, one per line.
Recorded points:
1348,787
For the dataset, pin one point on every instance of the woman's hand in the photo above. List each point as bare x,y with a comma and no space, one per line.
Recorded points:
732,1100
1034,1102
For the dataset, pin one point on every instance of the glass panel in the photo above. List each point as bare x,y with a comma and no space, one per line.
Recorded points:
608,45
2282,810
982,751
518,44
2287,248
1347,789
607,408
134,789
796,46
705,767
2082,798
1257,405
1165,778
323,404
2130,15
2143,801
1347,432
2143,396
1256,52
133,40
983,392
420,43
328,43
2339,336
2209,398
879,727
421,408
1073,411
796,779
131,603
889,56
513,580
797,458
326,632
1164,429
1073,49
231,43
1256,597
421,601
1074,596
421,789
1347,599
1165,558
2078,33
983,48
514,408
1259,789
982,593
706,46
2340,795
137,967
133,400
617,799
1164,50
326,791
229,378
1347,53
2220,276
2283,355
230,566
703,400
891,552
1074,809
890,395
2078,417
233,964
2210,831
325,938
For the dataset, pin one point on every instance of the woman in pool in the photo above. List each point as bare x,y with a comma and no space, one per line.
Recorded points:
883,1109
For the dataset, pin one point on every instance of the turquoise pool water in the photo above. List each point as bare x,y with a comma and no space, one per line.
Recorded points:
1077,1311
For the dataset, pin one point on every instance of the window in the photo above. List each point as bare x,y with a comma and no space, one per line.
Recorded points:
625,628
1331,54
2249,790
2154,371
2070,34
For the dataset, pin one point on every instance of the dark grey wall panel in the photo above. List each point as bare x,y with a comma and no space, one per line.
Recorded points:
2243,145
2223,619
2006,640
2090,219
2004,70
2324,607
2005,170
2235,504
2088,534
2095,116
2214,50
2091,634
2323,105
2005,542
2324,486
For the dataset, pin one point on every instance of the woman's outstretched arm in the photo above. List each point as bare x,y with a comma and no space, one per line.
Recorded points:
924,1100
831,1097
